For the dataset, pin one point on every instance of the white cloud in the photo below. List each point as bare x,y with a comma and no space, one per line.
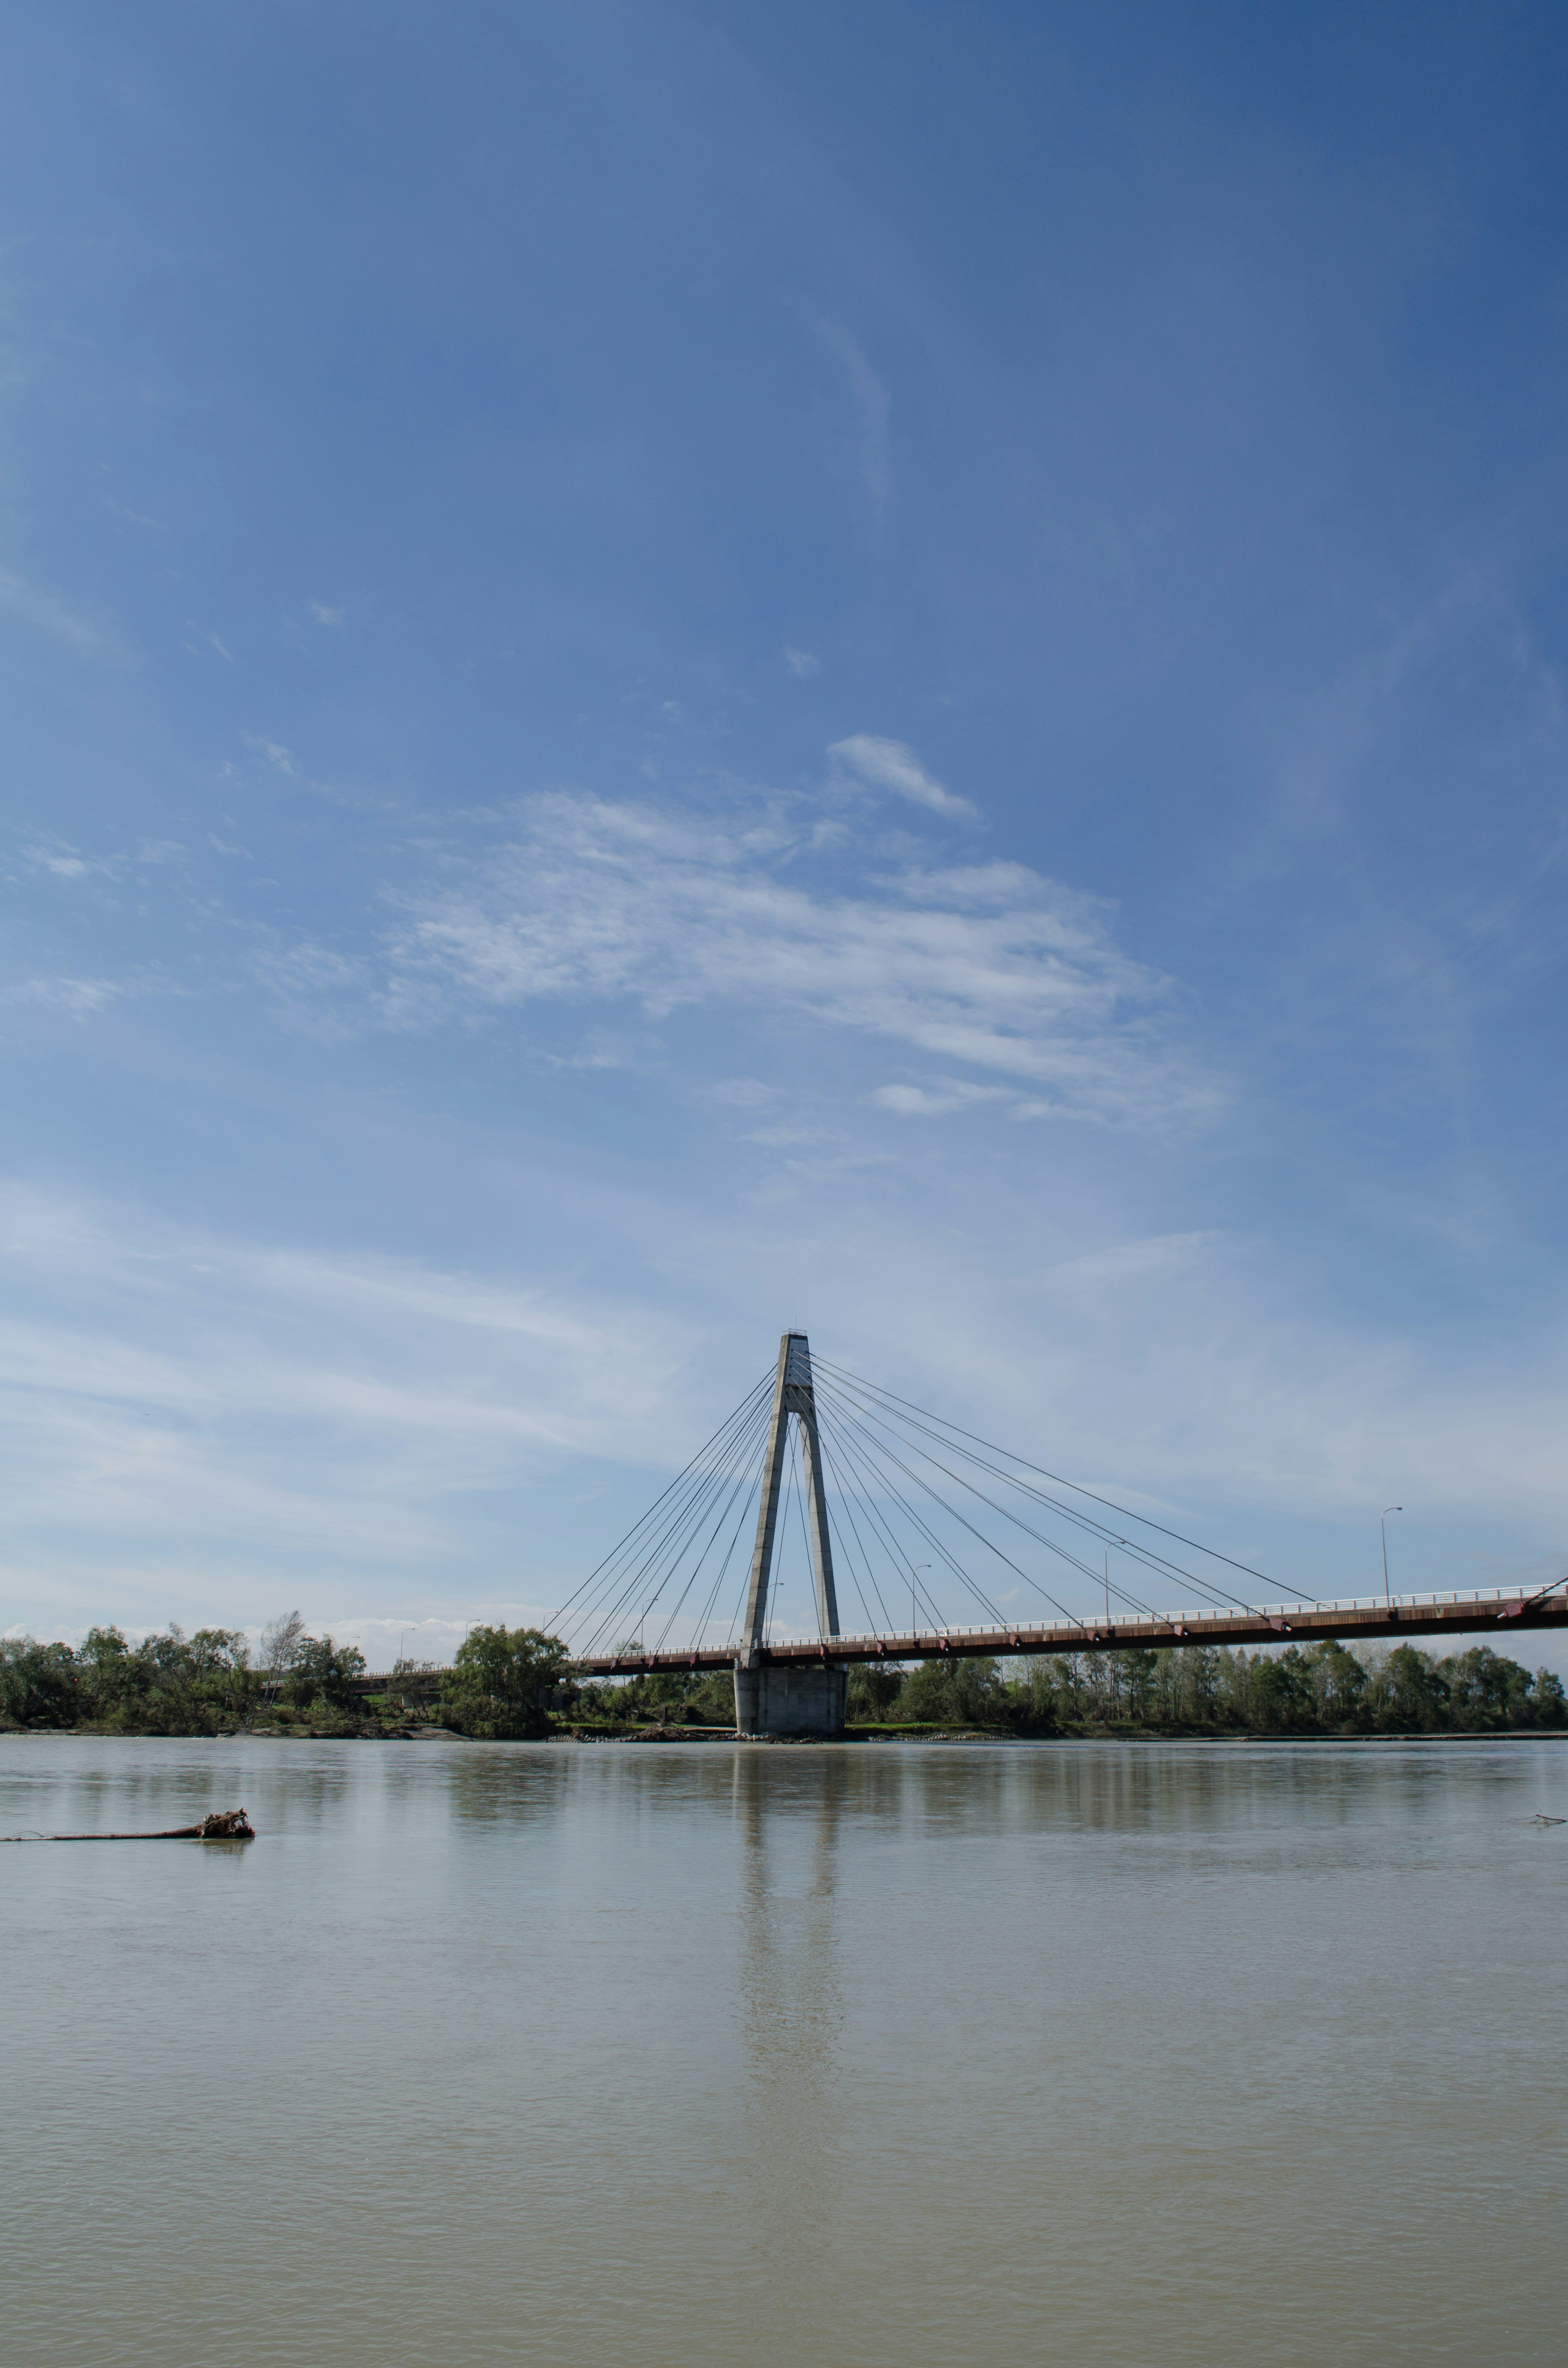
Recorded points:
928,1101
992,967
77,996
1200,1378
802,664
891,765
210,1429
872,401
1156,1254
324,616
50,616
239,1407
64,863
277,757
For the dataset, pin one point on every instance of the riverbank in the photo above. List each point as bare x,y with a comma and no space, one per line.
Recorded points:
370,1731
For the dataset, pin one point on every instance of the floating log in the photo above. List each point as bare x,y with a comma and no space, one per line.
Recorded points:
222,1826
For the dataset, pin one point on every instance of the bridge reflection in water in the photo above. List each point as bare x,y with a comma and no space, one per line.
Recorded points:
790,1993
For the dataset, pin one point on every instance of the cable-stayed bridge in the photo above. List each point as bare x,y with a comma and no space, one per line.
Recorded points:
823,1485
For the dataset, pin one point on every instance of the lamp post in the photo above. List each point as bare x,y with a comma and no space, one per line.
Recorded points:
1383,1526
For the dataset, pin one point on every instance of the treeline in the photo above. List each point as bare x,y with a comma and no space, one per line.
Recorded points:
172,1683
1321,1689
503,1682
518,1682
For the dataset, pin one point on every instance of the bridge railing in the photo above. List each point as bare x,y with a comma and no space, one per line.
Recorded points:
1123,1620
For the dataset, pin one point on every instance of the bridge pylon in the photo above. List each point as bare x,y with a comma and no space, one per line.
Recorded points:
791,1698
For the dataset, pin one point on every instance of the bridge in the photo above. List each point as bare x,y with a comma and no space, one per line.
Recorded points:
887,1495
1410,1617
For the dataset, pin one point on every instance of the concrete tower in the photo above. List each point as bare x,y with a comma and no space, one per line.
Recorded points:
799,1700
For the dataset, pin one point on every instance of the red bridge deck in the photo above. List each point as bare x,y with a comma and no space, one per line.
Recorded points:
1413,1619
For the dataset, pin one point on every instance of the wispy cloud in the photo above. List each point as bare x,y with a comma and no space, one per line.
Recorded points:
200,1425
873,404
47,614
992,967
134,518
79,997
802,664
64,863
277,755
936,1102
258,1405
891,764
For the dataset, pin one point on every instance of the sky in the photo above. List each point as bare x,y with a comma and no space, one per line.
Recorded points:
673,670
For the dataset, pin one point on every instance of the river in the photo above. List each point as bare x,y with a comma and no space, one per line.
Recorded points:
1092,2054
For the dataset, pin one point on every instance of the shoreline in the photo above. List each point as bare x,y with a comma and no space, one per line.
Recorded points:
717,1734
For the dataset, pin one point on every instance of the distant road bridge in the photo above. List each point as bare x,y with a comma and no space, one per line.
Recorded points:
902,1503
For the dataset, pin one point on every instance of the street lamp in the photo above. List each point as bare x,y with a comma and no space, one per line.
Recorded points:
1383,1526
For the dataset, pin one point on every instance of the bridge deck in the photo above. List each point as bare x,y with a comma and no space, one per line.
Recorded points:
1413,1619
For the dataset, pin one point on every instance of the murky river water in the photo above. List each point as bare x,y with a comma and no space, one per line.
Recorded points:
857,2054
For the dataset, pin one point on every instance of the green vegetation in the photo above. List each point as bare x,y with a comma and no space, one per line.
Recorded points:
1321,1689
1196,1690
508,1683
706,1698
171,1684
505,1682
175,1684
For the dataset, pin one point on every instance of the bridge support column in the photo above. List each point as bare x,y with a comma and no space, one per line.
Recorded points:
791,1698
794,1697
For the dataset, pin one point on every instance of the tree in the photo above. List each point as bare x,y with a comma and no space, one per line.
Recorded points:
322,1670
1409,1690
219,1652
1487,1690
39,1684
504,1682
873,1692
1551,1699
108,1669
1135,1682
1036,1691
953,1692
1340,1684
281,1641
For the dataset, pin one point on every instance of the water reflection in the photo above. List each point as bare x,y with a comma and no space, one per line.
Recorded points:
789,1987
723,2052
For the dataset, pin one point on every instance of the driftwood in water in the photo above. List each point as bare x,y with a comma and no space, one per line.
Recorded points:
222,1826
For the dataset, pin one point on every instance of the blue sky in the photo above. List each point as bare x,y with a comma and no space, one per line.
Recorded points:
671,670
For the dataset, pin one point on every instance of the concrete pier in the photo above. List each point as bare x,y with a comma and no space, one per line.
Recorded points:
794,1697
806,1698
